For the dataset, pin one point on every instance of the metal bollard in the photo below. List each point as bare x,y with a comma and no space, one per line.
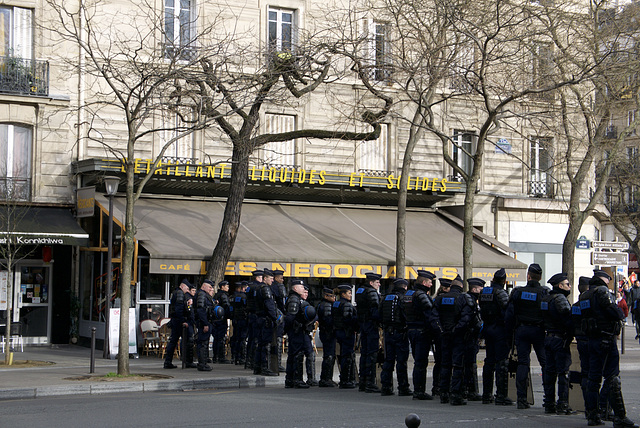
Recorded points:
92,366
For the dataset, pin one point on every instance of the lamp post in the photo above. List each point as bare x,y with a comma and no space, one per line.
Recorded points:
111,185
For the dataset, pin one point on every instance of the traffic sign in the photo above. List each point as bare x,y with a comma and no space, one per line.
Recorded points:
609,259
611,245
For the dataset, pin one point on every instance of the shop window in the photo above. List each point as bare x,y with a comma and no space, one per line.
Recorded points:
179,29
16,35
281,28
372,155
280,153
15,162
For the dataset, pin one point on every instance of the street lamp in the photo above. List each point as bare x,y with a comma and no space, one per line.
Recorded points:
111,185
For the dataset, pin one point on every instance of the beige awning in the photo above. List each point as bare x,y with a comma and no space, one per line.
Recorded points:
308,240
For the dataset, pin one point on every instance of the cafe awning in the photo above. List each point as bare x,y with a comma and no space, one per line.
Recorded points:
41,226
306,239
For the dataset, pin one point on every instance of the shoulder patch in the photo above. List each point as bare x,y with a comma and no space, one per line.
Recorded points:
410,292
544,306
390,297
360,290
336,304
575,310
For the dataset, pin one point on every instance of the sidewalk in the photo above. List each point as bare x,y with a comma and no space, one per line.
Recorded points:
72,361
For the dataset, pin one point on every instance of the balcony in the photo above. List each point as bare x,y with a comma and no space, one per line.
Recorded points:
540,189
15,189
24,76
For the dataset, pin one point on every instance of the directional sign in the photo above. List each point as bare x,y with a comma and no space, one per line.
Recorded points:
609,259
611,245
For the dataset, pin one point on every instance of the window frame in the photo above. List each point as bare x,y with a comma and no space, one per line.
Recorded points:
7,171
375,165
457,139
378,49
285,151
280,25
538,146
178,48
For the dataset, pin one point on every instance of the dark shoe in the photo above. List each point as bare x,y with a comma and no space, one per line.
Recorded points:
435,391
225,362
474,396
348,385
209,360
267,372
564,409
444,398
281,369
300,385
523,405
593,419
422,396
404,392
503,401
312,382
457,400
170,366
373,388
205,368
289,384
257,371
550,410
362,387
190,366
487,399
326,384
623,423
386,391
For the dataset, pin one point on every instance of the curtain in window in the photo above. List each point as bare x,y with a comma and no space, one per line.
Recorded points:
23,33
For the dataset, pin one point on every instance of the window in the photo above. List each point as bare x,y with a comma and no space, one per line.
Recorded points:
15,161
281,30
632,156
379,50
540,183
16,32
463,148
631,118
280,153
181,150
463,76
542,67
372,154
179,29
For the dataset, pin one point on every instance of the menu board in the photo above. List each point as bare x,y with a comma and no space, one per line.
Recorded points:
34,285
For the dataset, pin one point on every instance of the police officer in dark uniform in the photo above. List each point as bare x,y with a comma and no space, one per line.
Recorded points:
221,326
556,311
396,342
267,315
493,304
472,347
582,341
238,341
445,286
417,305
368,302
345,322
190,342
204,306
602,321
298,313
327,337
252,319
524,317
179,319
451,316
308,350
280,296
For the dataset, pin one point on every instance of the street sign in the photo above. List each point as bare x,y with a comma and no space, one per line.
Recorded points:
611,245
582,243
609,259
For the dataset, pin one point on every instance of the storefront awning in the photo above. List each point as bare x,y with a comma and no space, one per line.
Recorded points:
41,226
307,240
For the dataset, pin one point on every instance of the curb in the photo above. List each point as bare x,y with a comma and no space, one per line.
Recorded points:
148,386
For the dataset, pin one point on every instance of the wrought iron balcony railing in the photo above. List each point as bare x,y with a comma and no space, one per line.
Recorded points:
24,76
540,189
15,189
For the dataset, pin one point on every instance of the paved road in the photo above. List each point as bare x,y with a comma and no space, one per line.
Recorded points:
276,407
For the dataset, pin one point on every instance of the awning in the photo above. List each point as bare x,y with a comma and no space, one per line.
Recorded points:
41,226
307,240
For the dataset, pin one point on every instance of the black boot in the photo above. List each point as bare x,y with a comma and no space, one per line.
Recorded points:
265,370
593,418
386,390
279,341
371,385
326,373
502,384
620,420
188,364
310,364
347,372
487,384
457,400
222,359
202,359
298,382
472,389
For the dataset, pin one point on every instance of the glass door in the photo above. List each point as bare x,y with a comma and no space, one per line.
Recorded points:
33,295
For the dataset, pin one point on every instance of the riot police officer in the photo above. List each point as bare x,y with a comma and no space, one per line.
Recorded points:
345,322
471,347
204,306
190,315
445,286
451,316
417,306
368,302
493,304
298,314
524,317
556,312
396,342
602,321
327,337
280,296
221,326
266,317
252,336
179,319
308,349
238,341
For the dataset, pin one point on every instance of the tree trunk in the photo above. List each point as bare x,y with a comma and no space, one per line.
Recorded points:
232,212
9,311
576,219
467,239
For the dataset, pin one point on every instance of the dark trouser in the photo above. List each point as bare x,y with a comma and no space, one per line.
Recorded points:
420,341
471,349
369,343
557,369
604,362
202,343
452,370
252,334
176,334
295,354
437,364
238,341
310,356
497,352
396,348
219,332
264,333
328,340
527,336
347,341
